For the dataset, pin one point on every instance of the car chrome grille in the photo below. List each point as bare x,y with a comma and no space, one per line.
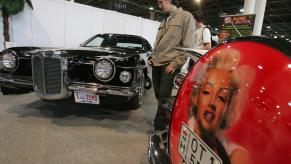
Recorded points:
52,75
47,75
37,74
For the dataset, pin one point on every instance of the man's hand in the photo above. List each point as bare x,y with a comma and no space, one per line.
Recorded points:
150,62
170,69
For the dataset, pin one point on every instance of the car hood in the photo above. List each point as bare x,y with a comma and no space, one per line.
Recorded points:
121,57
79,51
22,51
94,52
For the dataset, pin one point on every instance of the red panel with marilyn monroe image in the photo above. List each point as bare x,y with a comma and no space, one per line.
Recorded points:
234,107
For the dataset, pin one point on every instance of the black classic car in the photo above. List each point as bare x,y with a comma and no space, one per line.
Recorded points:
107,68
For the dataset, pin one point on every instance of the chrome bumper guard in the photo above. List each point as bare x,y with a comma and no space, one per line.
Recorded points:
18,80
158,148
104,89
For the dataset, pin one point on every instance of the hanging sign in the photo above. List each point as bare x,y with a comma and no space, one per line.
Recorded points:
233,26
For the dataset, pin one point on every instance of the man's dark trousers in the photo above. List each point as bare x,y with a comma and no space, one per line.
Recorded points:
163,84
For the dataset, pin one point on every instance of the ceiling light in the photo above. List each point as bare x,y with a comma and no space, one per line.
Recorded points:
151,8
197,1
216,29
242,10
282,36
268,27
275,37
276,32
287,39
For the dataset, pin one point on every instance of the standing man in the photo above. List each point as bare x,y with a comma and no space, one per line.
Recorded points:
202,34
202,38
176,30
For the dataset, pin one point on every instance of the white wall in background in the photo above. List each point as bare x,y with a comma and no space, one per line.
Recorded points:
113,22
97,20
21,24
77,30
59,23
133,25
149,30
48,23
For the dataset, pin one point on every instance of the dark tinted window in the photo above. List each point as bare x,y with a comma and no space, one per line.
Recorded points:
128,42
119,41
96,42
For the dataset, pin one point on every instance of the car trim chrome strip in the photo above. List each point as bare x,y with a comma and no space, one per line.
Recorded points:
135,67
85,63
14,81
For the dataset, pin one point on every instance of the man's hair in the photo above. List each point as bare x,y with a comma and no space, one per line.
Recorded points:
199,17
174,2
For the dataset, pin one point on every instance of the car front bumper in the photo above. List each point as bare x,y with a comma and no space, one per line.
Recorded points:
16,82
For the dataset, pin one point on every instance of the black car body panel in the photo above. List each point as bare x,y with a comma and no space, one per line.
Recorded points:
83,60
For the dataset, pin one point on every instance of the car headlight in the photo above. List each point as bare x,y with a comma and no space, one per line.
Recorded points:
8,60
104,69
125,76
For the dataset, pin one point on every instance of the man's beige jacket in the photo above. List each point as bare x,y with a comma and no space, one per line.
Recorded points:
176,31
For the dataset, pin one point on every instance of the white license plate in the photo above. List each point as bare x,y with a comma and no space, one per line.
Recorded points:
86,97
193,150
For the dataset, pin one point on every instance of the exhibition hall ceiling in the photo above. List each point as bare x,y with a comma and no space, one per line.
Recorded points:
277,20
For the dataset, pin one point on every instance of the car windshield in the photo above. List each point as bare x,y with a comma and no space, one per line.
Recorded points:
119,41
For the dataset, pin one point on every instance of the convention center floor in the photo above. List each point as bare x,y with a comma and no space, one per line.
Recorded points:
34,131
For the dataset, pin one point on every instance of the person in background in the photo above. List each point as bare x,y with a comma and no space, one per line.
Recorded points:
176,30
202,37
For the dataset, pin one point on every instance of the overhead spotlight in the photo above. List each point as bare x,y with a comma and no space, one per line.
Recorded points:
268,27
275,37
241,10
151,8
282,36
287,39
216,29
276,32
197,1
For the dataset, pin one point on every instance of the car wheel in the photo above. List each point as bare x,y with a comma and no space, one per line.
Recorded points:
137,100
148,83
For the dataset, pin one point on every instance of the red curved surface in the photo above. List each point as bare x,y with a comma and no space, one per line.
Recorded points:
264,127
